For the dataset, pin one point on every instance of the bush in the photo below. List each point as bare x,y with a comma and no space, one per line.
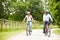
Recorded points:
55,10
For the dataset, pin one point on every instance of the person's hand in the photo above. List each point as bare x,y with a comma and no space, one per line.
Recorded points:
51,20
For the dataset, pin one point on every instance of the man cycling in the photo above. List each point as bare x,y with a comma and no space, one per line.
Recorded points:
46,17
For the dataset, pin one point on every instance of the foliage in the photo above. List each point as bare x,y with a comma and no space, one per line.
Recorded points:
1,9
16,10
56,32
55,10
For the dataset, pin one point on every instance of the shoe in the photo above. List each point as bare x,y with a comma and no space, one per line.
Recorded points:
43,32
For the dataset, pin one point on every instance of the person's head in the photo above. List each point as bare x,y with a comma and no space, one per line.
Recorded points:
28,13
46,12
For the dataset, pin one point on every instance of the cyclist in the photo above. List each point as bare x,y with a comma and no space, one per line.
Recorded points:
29,19
46,17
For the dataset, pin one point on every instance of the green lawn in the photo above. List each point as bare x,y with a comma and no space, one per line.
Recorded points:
56,32
5,34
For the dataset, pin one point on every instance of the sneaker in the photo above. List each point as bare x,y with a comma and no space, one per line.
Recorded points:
43,32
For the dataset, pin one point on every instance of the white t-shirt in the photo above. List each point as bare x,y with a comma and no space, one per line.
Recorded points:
47,17
29,18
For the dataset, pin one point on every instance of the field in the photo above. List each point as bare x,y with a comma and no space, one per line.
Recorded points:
56,32
10,27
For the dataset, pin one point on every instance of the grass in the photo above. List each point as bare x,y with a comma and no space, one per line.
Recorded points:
53,26
40,26
4,35
7,33
56,32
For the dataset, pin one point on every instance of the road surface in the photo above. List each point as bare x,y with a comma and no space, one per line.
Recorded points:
36,35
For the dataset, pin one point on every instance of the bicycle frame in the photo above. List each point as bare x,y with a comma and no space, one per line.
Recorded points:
47,30
47,27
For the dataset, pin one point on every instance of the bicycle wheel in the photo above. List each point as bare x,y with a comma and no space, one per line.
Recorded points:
27,31
49,32
46,32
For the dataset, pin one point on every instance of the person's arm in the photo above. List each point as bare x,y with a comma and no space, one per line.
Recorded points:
50,18
43,17
31,18
25,18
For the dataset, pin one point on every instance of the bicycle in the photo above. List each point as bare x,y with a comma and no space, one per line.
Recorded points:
47,30
28,29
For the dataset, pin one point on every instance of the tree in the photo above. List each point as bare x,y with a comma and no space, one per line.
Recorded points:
55,10
36,8
1,9
19,8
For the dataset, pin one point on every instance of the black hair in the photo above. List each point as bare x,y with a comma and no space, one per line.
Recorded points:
28,10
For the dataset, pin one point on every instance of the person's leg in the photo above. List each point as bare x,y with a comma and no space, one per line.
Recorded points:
31,26
27,28
44,27
49,25
28,25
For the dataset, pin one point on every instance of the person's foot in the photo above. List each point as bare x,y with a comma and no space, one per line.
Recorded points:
43,32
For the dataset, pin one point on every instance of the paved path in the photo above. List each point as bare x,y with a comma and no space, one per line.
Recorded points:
36,35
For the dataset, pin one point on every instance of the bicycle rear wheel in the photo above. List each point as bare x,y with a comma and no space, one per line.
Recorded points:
46,32
49,32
